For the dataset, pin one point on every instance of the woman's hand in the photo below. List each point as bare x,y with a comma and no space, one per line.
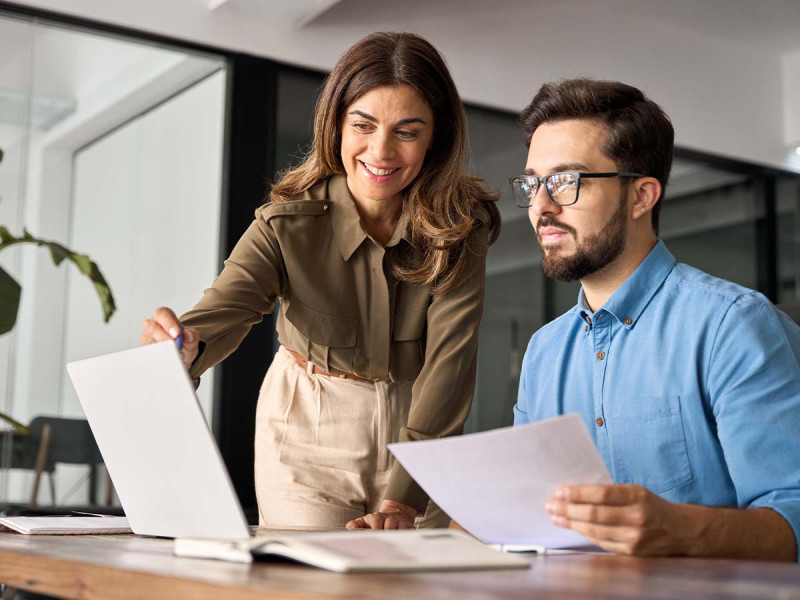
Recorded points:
164,325
391,515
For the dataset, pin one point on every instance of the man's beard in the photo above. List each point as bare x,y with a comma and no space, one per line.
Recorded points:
592,254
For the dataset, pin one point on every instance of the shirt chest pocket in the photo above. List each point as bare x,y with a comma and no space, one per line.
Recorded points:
648,443
328,340
408,342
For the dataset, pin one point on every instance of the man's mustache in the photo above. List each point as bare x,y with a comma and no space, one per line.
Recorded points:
551,222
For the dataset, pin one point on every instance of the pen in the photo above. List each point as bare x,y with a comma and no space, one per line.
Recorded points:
179,339
77,513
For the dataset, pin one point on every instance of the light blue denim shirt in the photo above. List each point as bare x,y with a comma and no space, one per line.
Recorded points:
689,385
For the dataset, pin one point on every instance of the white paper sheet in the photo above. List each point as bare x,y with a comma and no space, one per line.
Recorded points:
495,484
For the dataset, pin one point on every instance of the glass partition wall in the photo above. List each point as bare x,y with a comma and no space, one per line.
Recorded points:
112,148
15,83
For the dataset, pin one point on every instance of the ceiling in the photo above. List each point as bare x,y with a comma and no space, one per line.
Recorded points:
770,25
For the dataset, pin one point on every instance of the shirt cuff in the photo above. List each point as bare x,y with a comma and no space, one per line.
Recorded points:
402,487
787,504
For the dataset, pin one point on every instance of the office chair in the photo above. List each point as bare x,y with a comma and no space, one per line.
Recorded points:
59,440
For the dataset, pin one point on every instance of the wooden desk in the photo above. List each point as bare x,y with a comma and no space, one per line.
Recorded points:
120,567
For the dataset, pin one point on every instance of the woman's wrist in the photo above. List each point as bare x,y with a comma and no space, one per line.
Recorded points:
394,506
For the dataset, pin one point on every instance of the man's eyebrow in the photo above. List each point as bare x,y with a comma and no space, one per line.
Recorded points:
400,123
561,168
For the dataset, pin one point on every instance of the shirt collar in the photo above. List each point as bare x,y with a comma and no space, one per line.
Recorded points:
633,296
347,229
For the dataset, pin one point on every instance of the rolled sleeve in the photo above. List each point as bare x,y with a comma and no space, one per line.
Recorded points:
754,381
442,394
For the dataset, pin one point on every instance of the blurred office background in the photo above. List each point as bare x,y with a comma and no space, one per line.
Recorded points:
145,134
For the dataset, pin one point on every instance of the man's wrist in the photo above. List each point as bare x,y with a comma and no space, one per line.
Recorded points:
694,524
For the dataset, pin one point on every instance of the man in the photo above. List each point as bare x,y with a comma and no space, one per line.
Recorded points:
690,385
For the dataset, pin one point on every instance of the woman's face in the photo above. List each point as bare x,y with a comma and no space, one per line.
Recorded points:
385,136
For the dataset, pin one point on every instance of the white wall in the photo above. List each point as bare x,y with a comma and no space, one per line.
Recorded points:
791,98
715,66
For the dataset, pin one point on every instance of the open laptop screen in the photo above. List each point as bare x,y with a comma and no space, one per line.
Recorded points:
157,447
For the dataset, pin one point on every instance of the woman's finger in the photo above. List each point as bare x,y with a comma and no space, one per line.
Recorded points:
152,332
168,321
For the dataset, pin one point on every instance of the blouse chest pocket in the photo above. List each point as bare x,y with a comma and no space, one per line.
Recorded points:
409,325
408,343
410,312
325,339
648,443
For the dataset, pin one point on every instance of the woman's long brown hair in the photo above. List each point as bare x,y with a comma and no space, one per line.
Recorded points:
443,203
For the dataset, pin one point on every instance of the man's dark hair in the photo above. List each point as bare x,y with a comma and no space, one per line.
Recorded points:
640,135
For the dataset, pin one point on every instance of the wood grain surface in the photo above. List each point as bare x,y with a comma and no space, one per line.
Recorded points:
122,567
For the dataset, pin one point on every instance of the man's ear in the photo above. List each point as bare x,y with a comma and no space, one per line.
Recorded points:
646,191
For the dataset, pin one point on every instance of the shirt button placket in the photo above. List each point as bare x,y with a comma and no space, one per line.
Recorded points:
601,341
379,326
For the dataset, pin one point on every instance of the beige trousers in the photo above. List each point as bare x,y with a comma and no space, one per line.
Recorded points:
320,447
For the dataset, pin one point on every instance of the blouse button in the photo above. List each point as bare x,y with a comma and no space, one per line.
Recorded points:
628,321
600,355
599,421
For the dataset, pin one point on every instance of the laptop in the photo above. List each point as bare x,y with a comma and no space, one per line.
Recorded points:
172,482
156,444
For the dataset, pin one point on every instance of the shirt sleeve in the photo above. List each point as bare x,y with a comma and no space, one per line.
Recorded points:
251,280
521,407
442,393
754,386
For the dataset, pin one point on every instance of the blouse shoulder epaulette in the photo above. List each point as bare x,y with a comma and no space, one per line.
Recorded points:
289,208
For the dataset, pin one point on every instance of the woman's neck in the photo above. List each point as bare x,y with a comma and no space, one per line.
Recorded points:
379,218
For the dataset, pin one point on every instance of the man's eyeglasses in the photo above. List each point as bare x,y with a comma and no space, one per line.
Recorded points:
561,188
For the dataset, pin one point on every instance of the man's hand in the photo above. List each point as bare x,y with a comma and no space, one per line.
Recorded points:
626,519
391,515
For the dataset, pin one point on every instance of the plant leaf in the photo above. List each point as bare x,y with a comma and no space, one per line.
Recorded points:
14,423
10,293
59,254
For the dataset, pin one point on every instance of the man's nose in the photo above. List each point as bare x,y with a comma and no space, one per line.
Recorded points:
541,204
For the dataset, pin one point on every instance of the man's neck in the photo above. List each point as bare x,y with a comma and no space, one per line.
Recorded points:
601,285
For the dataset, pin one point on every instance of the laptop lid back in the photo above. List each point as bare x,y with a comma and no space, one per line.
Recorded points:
157,447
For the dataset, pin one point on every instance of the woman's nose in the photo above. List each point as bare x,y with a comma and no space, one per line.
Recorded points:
381,146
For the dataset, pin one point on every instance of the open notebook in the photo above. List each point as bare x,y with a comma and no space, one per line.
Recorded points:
362,550
65,525
171,481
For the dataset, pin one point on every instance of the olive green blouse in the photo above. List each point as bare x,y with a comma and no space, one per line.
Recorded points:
342,308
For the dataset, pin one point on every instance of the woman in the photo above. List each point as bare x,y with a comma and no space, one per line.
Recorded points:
376,247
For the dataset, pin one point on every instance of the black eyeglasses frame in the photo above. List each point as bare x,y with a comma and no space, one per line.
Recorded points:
540,181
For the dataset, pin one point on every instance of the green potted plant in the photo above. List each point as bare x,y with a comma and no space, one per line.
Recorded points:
11,291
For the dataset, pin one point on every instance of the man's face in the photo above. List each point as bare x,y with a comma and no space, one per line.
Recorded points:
583,238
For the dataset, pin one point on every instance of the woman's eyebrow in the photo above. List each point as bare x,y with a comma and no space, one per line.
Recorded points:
409,121
364,115
400,123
